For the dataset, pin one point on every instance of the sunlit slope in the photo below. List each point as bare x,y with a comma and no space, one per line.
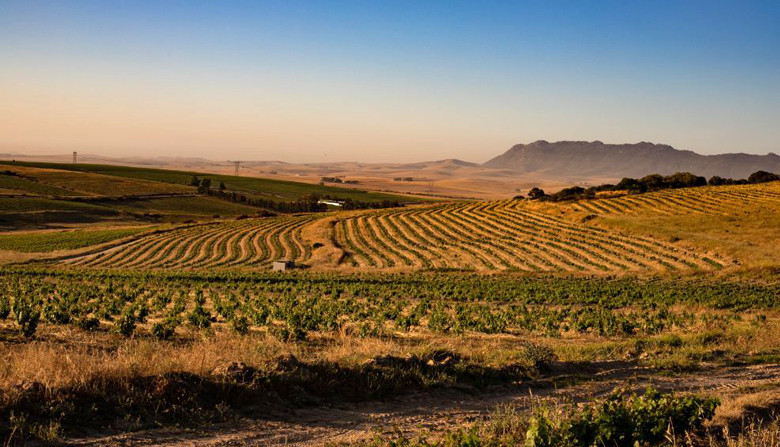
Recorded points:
679,230
486,236
739,222
702,200
499,236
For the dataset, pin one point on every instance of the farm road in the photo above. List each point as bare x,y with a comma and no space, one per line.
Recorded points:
434,410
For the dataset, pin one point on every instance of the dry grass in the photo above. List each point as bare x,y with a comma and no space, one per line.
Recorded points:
751,237
57,364
64,356
758,404
756,434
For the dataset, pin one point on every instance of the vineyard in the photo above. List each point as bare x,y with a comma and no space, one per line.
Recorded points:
501,235
89,348
702,200
292,306
247,243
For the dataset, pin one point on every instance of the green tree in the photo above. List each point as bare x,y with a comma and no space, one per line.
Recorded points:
536,193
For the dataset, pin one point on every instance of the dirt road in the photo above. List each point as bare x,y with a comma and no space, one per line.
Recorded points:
435,410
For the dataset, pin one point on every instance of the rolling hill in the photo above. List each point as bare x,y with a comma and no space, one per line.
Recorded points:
45,195
485,236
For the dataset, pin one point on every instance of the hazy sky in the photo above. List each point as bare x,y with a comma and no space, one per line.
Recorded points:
385,80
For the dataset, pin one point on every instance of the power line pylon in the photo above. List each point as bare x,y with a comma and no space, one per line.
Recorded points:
75,157
237,165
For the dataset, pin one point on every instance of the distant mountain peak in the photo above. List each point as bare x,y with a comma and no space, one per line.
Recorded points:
587,159
455,161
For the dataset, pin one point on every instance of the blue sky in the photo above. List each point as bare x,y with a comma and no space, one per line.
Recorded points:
385,81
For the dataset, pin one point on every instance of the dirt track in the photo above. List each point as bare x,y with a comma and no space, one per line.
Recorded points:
435,410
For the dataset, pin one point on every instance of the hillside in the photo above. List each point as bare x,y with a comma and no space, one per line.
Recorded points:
48,195
583,159
272,189
447,178
484,236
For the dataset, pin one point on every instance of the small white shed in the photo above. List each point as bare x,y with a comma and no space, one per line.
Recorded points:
282,265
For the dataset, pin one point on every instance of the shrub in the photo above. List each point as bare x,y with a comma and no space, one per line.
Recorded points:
88,323
622,420
27,313
199,317
239,324
164,330
536,193
125,324
762,177
5,307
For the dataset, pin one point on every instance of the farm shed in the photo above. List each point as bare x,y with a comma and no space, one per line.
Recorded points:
283,265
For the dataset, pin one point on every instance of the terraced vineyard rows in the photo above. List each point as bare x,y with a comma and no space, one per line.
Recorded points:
703,200
248,242
498,236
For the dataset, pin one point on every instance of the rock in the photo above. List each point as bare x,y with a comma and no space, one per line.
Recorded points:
237,372
393,361
287,363
442,358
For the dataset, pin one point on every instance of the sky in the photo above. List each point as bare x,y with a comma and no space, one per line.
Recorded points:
385,81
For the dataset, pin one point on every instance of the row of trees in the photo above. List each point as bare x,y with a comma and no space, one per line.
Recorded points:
350,204
305,204
652,182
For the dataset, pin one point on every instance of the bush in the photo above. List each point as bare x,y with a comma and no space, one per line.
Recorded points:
164,330
88,323
536,193
5,307
239,324
621,420
125,324
762,177
199,317
27,313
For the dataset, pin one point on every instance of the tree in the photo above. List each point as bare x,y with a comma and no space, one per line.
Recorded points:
205,185
717,181
222,186
762,177
685,180
570,193
536,193
653,182
631,185
195,181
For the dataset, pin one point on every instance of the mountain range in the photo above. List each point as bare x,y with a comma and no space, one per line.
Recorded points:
584,159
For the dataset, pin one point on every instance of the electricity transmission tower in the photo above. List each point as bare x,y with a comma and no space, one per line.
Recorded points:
237,165
75,156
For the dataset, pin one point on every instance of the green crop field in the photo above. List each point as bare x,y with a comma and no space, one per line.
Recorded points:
62,240
32,204
204,206
86,183
22,185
